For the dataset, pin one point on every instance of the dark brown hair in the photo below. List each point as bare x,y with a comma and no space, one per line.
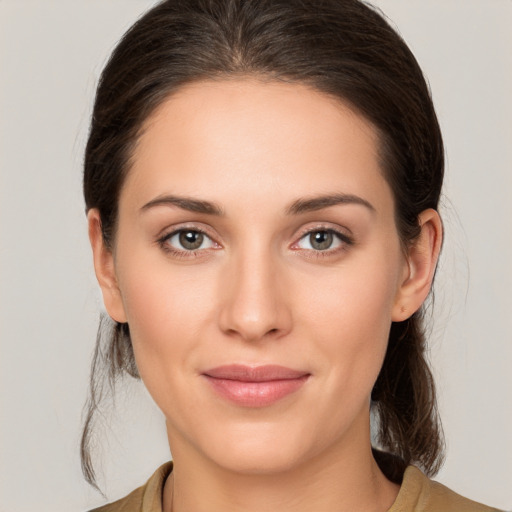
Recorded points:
344,48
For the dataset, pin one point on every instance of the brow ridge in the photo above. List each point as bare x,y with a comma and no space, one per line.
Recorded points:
305,205
185,203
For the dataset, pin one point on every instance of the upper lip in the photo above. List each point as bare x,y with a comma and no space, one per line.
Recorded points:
246,373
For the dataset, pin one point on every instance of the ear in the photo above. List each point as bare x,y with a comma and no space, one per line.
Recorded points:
104,268
422,258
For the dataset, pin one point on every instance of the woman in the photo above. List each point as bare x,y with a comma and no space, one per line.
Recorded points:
262,181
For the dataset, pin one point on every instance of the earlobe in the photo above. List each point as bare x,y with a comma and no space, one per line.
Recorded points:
104,269
422,259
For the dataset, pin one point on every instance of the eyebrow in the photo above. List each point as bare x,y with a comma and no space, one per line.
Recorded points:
185,203
319,202
299,206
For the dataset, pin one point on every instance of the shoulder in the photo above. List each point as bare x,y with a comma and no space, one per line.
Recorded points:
147,498
130,503
420,494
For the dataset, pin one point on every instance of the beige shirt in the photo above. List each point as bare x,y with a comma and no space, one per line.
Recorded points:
417,494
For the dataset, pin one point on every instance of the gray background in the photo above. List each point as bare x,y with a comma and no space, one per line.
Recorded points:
51,53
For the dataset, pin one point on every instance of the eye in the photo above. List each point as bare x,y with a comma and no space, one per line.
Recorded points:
322,240
188,240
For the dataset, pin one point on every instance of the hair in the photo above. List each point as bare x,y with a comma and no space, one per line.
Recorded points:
343,48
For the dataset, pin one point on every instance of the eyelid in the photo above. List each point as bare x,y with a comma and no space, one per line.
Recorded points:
344,236
191,226
205,238
166,234
343,232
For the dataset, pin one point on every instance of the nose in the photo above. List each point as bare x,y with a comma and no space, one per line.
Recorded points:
255,304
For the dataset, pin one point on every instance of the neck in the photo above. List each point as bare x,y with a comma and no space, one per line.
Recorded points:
344,479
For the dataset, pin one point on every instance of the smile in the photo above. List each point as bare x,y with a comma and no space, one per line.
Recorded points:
255,386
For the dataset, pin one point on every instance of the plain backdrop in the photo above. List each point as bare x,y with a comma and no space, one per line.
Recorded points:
51,54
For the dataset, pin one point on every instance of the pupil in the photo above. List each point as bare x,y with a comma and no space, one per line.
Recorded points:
191,239
321,240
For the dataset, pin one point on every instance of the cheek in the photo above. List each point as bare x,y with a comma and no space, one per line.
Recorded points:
350,317
353,298
166,308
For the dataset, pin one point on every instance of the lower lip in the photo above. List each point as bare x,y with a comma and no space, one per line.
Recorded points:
255,394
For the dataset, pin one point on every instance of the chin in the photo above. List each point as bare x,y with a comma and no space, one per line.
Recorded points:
260,448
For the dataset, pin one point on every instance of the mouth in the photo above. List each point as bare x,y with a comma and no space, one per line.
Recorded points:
258,386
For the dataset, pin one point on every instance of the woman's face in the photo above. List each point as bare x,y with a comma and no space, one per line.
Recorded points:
258,265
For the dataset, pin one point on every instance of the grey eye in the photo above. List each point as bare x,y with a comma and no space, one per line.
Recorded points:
321,240
189,240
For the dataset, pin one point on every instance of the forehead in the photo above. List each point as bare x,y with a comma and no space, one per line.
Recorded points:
253,138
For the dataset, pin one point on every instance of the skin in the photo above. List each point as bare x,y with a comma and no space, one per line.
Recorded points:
258,292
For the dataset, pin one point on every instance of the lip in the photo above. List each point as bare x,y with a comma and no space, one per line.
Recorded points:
255,386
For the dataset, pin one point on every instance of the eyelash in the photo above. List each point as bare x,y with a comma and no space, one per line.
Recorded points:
345,242
163,242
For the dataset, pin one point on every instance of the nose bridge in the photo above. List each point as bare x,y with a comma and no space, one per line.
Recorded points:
254,305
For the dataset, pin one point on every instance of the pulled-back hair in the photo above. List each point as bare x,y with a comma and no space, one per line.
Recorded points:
343,48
